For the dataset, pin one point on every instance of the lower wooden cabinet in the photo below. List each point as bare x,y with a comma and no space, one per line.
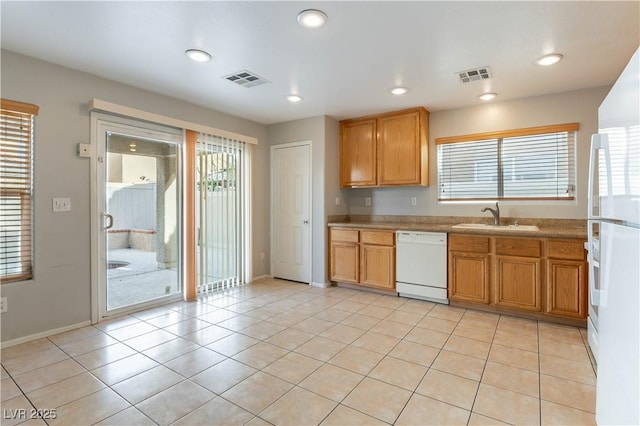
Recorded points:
364,257
469,268
544,276
378,266
345,262
567,280
566,293
518,269
518,283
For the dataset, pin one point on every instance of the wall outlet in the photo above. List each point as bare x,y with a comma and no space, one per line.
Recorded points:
414,201
367,201
262,256
337,201
3,305
61,204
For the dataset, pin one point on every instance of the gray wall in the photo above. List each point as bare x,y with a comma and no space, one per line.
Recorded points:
332,170
59,294
577,106
323,133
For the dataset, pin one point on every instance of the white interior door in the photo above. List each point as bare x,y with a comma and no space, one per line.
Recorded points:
291,211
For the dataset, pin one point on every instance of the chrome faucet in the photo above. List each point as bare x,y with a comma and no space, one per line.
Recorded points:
495,213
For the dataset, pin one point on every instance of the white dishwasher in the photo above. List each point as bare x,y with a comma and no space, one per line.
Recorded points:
421,265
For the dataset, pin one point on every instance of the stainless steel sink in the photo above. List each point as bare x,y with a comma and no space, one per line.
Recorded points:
497,227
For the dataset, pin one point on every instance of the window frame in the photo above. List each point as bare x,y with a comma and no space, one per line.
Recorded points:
22,190
499,137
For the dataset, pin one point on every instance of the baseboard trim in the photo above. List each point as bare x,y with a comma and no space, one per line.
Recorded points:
260,278
47,333
321,285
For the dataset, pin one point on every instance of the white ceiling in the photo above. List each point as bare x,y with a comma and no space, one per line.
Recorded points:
344,69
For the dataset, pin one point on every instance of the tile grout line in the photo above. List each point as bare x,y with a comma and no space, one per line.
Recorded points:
475,397
539,376
430,365
364,375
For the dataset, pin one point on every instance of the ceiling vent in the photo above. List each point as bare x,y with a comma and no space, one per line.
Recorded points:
481,73
246,79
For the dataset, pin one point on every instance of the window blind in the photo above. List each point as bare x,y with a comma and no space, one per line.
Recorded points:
534,164
220,212
16,190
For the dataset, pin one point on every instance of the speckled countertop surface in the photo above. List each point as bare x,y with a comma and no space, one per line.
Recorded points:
553,228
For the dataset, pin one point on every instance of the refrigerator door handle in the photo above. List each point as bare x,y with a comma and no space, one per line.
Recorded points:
595,146
599,141
594,293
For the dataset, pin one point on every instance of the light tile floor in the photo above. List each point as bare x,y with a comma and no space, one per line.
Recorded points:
276,352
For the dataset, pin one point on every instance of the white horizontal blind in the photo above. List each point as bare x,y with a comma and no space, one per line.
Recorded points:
220,211
468,170
516,166
539,166
16,186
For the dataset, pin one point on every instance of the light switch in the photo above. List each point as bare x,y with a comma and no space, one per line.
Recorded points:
61,204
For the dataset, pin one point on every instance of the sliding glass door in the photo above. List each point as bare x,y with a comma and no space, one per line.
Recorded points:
140,210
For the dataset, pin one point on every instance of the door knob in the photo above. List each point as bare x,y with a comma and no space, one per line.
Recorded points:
306,222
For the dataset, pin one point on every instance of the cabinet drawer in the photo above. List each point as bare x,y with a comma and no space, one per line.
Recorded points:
468,243
347,235
571,250
518,247
381,238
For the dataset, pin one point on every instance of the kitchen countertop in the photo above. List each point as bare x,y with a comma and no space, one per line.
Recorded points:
550,228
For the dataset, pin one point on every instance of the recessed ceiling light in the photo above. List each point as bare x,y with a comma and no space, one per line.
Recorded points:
550,59
198,55
487,96
294,98
399,90
312,18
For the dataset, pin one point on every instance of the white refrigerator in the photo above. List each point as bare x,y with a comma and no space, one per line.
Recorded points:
614,251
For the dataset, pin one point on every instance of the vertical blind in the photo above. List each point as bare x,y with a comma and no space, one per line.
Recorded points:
221,190
16,190
534,163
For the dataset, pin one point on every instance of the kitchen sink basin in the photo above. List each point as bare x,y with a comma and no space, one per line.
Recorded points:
497,227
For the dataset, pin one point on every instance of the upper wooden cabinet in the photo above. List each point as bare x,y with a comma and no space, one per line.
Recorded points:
358,153
385,150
